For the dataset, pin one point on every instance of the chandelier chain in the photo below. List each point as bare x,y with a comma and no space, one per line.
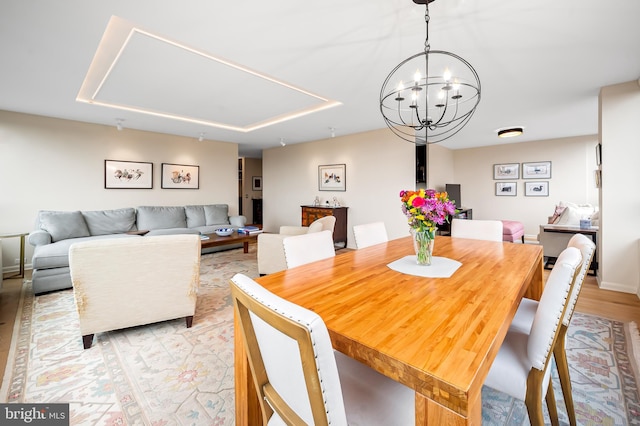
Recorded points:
427,46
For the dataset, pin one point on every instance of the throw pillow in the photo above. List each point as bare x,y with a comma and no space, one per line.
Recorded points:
216,214
107,222
63,225
195,216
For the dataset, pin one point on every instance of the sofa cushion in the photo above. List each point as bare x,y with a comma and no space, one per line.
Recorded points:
574,212
63,225
105,222
195,216
160,217
171,231
56,255
216,214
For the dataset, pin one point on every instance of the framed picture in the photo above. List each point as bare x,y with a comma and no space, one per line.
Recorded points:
506,171
539,170
180,176
536,189
332,177
256,183
128,175
509,189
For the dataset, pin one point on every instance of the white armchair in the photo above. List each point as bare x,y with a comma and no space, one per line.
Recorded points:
271,249
125,282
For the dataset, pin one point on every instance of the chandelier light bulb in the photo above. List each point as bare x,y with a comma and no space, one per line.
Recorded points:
446,75
417,76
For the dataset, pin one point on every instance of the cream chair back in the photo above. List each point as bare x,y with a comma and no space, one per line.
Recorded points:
552,307
369,234
298,376
328,223
307,248
587,248
290,356
490,230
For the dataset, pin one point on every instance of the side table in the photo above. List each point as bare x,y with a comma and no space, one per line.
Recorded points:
22,239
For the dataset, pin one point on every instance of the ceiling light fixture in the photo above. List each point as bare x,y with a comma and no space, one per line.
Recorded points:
201,138
510,132
433,91
119,124
282,142
333,132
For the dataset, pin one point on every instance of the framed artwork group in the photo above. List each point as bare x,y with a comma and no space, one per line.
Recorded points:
120,174
513,171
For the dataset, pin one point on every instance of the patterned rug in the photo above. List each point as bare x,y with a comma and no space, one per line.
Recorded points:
166,374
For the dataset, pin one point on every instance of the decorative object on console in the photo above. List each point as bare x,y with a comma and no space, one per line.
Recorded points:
180,176
128,175
539,170
506,189
440,103
332,177
506,171
425,210
536,189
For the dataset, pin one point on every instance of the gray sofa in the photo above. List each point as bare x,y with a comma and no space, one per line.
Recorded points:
56,231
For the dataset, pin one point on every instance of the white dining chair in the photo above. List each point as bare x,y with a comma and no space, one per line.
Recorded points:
307,248
490,230
369,234
299,378
522,367
526,312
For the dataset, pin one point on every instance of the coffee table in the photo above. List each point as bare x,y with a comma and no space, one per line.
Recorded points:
215,240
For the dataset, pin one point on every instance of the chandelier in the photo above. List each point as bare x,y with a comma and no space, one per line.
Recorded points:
435,92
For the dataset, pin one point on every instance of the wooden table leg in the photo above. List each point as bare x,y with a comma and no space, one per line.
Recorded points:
431,413
245,245
536,285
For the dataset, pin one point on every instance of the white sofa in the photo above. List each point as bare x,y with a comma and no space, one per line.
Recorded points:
563,224
271,249
126,282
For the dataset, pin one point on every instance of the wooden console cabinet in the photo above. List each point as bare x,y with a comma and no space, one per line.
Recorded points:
311,213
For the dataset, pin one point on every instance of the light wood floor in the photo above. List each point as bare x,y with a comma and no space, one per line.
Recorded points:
592,300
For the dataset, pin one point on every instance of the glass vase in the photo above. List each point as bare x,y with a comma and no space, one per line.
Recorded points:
423,245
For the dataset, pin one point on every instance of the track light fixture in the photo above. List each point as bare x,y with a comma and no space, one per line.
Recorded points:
333,132
282,142
201,138
119,124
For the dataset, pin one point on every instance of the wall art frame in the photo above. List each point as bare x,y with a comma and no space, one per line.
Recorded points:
537,170
332,177
536,189
180,176
506,171
506,189
128,174
256,183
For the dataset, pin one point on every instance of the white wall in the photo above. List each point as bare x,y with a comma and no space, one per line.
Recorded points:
378,166
620,232
54,164
572,179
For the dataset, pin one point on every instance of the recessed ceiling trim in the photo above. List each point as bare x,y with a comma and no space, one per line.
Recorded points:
114,43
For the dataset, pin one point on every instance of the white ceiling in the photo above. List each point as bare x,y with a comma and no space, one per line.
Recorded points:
541,64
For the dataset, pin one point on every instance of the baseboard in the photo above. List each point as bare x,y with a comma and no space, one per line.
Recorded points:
622,288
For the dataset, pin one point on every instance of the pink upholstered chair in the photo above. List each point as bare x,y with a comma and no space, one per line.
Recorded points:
298,376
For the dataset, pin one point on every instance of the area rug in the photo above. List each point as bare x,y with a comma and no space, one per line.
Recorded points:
166,374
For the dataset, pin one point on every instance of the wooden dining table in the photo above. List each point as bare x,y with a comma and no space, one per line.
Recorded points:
437,336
